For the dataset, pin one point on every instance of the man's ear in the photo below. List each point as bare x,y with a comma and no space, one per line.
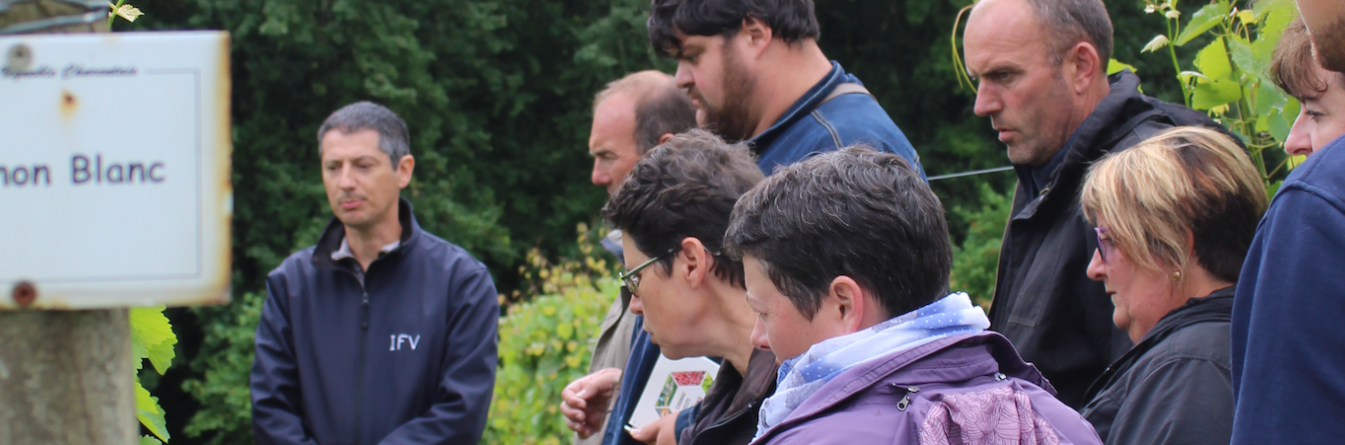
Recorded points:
404,168
664,138
697,262
1083,66
756,35
851,303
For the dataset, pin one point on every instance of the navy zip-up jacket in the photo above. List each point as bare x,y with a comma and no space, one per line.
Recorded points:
402,354
1288,347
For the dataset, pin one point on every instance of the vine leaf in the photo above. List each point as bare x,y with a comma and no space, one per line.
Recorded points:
149,413
152,337
1115,66
1216,93
1204,19
1213,61
1156,44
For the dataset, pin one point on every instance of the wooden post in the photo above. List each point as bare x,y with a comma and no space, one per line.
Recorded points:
66,377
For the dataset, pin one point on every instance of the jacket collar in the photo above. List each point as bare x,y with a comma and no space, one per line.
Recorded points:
951,359
1216,307
334,235
1112,119
804,105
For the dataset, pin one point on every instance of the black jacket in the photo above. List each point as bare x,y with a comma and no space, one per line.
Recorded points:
1056,317
728,414
402,354
1176,385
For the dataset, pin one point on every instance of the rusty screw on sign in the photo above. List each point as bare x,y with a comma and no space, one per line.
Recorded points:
24,294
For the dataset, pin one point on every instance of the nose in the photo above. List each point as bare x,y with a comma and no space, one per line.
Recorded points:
1299,141
347,180
1096,271
636,307
759,338
600,178
987,102
683,77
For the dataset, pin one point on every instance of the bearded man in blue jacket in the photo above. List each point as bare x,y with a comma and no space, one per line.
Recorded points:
382,333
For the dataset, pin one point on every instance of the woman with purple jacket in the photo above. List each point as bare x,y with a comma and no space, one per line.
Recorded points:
846,257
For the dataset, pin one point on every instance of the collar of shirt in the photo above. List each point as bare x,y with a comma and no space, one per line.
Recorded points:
1036,179
344,252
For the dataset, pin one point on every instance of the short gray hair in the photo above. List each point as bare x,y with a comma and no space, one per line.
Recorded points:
660,106
1074,21
393,138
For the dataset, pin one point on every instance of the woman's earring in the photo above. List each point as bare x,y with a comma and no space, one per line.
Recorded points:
1176,274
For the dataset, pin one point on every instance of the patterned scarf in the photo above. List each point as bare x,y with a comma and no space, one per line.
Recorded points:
801,376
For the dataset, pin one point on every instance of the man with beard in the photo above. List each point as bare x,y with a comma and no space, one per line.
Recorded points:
1041,67
1287,361
756,74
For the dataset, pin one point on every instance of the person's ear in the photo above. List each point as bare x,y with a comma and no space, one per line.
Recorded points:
404,168
696,261
756,35
851,304
664,138
1082,65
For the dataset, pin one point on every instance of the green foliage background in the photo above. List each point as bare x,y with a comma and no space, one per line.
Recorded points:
497,94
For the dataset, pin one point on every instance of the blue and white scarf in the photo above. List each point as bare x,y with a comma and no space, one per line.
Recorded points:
802,376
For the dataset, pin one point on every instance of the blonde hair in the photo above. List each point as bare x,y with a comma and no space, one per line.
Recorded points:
1183,180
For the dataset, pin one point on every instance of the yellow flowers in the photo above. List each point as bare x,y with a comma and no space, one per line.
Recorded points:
125,11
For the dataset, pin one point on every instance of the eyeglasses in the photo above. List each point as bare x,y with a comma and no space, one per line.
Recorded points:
631,279
1103,244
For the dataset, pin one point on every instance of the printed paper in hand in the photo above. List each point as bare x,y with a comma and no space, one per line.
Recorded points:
674,385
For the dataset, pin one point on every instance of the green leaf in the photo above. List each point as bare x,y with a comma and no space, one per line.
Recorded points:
1269,99
146,440
1212,61
150,414
1243,57
1216,93
1281,122
1207,17
152,337
1157,43
1114,66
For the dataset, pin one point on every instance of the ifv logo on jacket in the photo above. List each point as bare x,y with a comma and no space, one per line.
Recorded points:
397,340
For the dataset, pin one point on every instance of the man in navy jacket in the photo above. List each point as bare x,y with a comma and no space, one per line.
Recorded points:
1287,341
381,333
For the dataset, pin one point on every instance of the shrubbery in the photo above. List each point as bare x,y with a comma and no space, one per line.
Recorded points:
545,344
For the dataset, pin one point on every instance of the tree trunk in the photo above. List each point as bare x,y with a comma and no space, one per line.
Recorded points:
66,377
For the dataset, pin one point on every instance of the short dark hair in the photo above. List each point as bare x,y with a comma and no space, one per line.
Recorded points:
393,138
855,212
789,20
1073,21
1293,66
685,188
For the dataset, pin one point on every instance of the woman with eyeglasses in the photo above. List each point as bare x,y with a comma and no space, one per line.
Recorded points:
1174,217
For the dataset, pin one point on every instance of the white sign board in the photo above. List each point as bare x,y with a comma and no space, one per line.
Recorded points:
114,170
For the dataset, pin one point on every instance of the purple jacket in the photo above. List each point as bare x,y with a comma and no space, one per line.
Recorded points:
969,385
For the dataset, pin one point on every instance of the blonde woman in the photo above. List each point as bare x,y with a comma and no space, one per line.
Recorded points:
1174,217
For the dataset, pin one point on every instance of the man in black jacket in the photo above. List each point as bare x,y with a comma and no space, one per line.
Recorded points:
382,333
1041,72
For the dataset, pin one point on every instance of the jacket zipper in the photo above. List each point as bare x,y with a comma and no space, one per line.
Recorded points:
906,400
359,383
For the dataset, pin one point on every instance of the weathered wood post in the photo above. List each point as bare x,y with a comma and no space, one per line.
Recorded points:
66,377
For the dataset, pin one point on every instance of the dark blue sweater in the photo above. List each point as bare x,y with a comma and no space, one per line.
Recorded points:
402,354
1288,345
802,131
